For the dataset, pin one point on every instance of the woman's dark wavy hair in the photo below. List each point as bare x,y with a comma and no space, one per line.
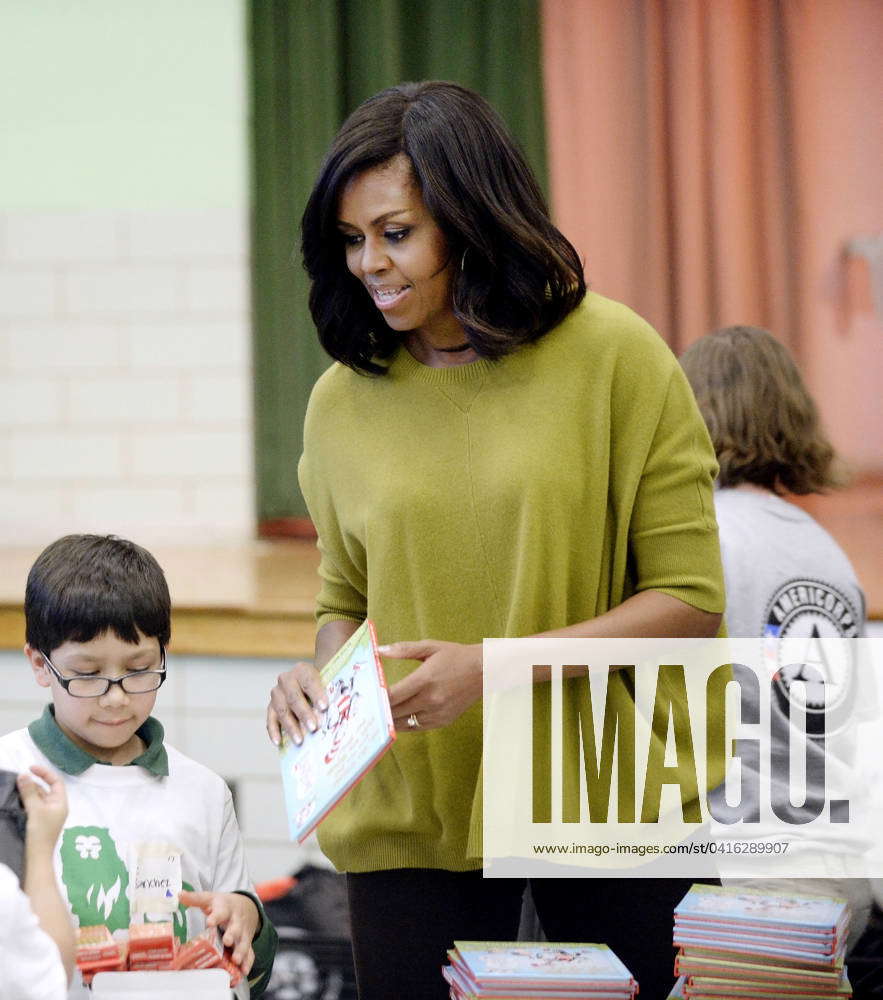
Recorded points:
84,585
762,420
519,276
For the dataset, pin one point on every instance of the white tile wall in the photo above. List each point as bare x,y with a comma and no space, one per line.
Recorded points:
63,347
128,399
222,684
119,289
211,399
27,292
193,347
115,505
125,376
239,742
26,504
216,288
201,454
222,507
47,238
267,862
30,402
205,236
18,684
259,805
212,710
41,455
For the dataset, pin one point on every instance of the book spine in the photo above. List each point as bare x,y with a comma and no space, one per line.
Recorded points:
381,677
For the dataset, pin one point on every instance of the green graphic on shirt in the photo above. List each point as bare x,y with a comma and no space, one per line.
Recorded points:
95,877
97,881
179,917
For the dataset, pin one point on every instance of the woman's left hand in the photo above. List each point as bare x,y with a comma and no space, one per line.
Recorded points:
447,682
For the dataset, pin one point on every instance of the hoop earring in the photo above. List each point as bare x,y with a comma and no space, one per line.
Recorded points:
463,260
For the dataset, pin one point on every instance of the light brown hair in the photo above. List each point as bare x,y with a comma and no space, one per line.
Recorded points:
762,420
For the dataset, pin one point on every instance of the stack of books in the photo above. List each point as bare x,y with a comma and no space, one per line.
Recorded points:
151,946
97,951
522,970
748,943
207,951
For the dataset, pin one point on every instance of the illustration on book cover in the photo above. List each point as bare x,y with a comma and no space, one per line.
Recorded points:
353,733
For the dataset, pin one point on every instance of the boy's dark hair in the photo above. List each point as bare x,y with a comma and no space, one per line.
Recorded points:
84,585
762,420
516,277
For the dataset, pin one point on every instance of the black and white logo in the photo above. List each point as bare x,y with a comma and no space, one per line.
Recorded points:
814,674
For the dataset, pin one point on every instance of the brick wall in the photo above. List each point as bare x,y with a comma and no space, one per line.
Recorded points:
125,376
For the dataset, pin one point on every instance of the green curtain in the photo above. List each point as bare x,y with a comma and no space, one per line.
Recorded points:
312,62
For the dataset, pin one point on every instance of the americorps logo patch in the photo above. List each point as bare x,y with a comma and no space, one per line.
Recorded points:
821,681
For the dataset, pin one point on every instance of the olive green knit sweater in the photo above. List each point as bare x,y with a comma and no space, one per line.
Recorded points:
498,498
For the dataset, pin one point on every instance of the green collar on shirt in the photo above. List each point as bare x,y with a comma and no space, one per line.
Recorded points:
71,759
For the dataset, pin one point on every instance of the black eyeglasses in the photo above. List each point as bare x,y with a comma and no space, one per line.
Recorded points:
137,682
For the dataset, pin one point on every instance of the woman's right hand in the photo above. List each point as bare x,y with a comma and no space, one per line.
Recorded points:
295,702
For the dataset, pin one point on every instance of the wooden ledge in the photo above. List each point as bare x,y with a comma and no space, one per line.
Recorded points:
249,600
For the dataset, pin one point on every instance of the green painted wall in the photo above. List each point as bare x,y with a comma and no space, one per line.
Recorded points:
122,104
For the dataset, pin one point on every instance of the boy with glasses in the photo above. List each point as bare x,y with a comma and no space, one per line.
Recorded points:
149,832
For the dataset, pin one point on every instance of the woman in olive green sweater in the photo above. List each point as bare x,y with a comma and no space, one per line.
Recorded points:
496,453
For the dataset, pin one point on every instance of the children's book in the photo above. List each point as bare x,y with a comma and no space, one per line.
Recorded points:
738,991
704,953
757,969
826,938
499,967
757,907
745,940
463,988
748,944
353,734
767,991
786,956
677,992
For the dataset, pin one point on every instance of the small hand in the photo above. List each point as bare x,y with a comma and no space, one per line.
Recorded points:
46,807
294,702
235,915
446,683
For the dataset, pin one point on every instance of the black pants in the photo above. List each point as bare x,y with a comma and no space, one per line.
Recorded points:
404,920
